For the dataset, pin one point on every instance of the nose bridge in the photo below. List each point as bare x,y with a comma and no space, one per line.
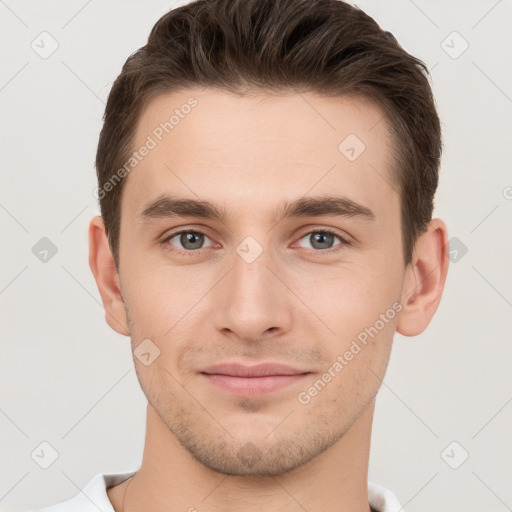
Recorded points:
253,299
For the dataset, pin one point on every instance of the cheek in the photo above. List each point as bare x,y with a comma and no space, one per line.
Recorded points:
350,298
360,306
157,294
165,306
352,377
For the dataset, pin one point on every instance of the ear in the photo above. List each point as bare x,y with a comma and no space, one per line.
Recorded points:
424,280
105,273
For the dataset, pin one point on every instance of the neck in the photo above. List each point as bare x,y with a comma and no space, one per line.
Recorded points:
170,479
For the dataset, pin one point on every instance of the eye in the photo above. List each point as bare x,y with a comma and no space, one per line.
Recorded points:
190,240
193,240
323,240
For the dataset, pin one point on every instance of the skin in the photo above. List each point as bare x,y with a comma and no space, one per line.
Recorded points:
295,304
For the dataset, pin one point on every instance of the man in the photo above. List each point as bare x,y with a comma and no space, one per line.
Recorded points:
266,175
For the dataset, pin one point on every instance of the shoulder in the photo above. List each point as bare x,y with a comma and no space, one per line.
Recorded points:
93,497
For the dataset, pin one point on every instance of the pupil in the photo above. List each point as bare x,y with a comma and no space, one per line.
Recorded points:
323,239
191,240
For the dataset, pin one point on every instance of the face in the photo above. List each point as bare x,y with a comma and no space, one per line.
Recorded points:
303,296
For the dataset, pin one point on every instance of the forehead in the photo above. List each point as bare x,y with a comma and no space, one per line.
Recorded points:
254,149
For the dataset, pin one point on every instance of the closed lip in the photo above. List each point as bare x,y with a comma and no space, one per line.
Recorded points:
259,370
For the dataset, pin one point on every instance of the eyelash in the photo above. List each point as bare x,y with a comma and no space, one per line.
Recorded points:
169,247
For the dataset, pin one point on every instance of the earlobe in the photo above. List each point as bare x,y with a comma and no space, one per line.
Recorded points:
424,280
107,279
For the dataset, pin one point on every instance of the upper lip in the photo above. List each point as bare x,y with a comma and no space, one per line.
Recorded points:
259,370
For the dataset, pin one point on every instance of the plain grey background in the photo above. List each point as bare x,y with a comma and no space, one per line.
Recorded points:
441,438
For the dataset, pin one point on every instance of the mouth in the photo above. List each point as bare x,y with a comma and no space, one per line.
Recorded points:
241,380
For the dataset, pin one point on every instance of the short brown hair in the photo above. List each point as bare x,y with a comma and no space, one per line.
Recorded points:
324,46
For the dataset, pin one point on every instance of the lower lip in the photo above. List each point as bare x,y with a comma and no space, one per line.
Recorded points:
243,386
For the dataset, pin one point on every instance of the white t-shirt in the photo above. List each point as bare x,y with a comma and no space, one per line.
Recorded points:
94,498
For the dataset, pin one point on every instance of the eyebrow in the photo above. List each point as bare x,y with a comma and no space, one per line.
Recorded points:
166,206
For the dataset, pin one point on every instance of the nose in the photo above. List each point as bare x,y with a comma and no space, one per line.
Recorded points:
253,301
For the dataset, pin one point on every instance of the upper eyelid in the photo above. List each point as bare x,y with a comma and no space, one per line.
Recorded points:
172,234
330,231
